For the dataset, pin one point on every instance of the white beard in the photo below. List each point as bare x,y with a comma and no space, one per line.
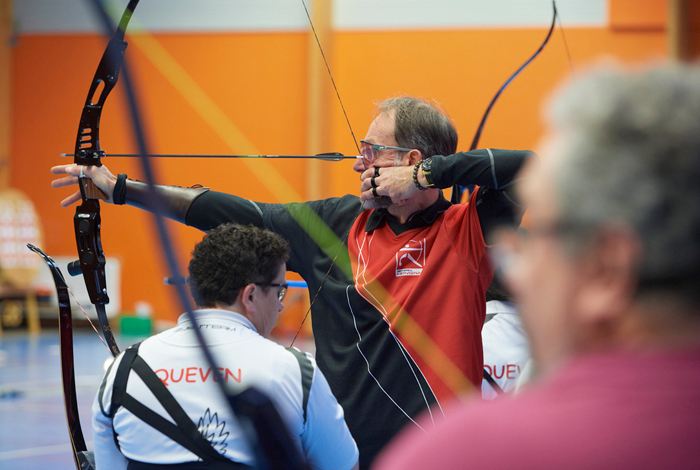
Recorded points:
383,202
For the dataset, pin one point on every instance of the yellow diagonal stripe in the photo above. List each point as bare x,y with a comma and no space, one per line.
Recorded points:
214,116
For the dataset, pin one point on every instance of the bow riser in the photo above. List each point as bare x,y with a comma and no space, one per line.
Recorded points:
92,259
87,222
87,144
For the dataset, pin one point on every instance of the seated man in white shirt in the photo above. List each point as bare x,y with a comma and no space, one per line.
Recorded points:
237,278
506,345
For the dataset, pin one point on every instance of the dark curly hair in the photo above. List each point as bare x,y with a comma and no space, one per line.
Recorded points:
230,257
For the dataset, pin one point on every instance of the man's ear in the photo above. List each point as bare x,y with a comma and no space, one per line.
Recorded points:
414,156
246,297
608,278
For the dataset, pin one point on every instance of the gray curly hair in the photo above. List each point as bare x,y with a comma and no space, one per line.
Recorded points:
633,159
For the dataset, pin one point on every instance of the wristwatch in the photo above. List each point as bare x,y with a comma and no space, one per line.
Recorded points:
427,165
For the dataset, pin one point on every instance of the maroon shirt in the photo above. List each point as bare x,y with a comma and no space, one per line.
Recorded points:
618,410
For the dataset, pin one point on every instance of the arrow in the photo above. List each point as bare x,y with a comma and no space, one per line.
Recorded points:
331,156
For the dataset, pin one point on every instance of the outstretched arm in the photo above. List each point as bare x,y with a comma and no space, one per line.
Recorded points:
171,201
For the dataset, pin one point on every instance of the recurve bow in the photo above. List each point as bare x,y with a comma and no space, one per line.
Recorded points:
91,262
457,189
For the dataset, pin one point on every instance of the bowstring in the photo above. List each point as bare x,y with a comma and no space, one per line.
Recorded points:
88,318
337,93
354,139
566,45
323,282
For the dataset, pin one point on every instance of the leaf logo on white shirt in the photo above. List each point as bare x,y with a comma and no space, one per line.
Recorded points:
214,431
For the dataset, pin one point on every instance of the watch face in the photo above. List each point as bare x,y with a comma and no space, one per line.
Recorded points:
427,163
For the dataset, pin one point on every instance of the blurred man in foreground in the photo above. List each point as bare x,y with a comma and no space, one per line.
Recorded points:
609,283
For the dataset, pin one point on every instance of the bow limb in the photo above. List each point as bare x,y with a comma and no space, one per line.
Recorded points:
65,323
87,221
456,189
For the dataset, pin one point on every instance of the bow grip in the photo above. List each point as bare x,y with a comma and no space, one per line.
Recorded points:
88,190
92,259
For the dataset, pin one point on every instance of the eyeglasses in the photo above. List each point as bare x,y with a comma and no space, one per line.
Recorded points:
369,151
283,288
512,243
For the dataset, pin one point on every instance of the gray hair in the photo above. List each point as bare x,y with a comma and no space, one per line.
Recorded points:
632,158
421,125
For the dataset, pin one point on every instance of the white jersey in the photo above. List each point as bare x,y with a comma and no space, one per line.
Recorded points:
506,347
244,359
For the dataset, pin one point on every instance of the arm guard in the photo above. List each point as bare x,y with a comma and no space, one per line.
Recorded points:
174,200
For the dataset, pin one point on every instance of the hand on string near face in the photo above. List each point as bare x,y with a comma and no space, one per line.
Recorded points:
394,182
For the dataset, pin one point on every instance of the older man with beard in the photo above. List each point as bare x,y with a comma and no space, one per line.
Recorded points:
397,276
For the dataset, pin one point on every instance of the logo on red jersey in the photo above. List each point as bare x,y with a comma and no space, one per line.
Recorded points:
410,259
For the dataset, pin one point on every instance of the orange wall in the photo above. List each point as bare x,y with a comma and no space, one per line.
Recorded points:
259,82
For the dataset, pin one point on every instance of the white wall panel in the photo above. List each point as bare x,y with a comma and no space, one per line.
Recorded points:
470,14
70,16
